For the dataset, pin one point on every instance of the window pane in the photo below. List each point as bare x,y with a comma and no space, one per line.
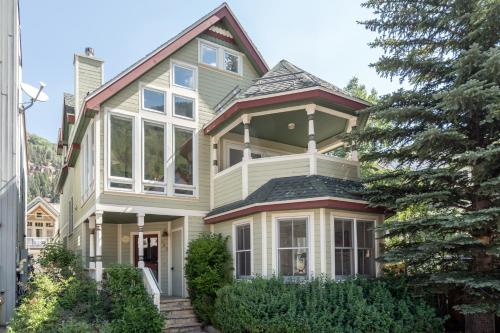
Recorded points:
366,262
299,233
243,264
154,152
286,233
120,185
183,107
209,55
366,252
183,156
343,232
121,147
230,62
184,77
293,262
235,156
243,237
154,100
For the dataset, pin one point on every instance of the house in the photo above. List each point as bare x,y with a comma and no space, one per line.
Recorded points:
42,224
13,162
201,135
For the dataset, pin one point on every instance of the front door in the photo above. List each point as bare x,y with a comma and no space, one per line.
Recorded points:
177,253
150,246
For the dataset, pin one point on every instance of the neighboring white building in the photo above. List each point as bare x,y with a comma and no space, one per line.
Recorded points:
12,162
42,224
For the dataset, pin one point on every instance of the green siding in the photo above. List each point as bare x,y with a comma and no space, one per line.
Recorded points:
228,187
89,77
109,244
338,169
260,173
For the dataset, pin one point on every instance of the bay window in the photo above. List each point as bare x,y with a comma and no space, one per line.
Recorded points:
243,250
183,161
293,247
353,247
153,158
121,129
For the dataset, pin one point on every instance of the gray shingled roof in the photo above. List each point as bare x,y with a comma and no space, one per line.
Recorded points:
296,188
69,103
283,77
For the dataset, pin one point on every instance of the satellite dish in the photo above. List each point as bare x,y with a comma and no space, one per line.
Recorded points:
34,93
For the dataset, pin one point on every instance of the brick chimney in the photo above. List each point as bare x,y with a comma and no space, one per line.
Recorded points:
89,76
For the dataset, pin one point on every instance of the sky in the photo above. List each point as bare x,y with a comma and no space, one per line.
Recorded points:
319,36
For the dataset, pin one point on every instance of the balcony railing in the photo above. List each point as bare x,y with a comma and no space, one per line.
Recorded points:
36,242
238,181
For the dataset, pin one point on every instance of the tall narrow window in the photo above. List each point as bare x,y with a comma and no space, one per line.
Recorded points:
243,251
343,239
183,143
88,159
154,157
293,247
70,215
120,152
366,258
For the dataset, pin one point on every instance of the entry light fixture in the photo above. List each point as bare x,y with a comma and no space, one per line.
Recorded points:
291,126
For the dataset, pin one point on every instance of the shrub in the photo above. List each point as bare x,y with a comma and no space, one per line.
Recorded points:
208,268
358,305
59,262
129,307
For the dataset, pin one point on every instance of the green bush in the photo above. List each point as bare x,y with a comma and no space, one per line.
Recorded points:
208,268
59,262
129,306
358,305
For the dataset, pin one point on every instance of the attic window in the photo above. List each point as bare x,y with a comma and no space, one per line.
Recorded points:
218,56
38,215
208,55
231,62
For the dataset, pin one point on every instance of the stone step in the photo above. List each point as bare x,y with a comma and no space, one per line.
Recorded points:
181,319
167,308
178,313
177,304
182,328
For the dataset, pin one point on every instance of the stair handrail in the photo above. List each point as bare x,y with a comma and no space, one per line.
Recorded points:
151,285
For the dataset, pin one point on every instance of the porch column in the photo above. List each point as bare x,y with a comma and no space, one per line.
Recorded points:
214,156
140,240
247,152
311,144
353,150
92,242
98,248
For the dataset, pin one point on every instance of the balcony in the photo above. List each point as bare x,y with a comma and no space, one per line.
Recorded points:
238,181
36,242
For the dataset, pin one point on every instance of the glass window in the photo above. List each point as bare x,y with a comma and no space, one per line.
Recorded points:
38,215
243,251
343,238
231,62
183,141
38,232
293,247
70,215
184,77
153,100
365,239
121,149
209,55
236,156
154,155
184,107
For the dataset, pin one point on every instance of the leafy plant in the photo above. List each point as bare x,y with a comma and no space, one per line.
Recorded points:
208,268
320,305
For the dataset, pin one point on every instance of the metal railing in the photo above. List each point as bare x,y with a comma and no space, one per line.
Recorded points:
37,242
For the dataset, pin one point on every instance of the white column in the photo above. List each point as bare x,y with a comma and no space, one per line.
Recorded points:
98,248
91,242
215,170
352,146
140,240
311,144
247,152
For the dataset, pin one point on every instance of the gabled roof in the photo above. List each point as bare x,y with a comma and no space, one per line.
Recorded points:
39,201
285,82
278,191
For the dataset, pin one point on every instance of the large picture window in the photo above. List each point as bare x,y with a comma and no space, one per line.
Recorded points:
154,157
243,250
183,160
120,152
354,247
293,259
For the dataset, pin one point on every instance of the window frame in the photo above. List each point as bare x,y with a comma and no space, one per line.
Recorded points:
220,53
146,182
115,179
176,63
185,97
233,53
236,225
183,187
39,215
152,88
203,45
87,164
71,216
309,219
354,245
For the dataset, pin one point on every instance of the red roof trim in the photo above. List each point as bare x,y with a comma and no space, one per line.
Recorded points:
290,97
220,36
324,203
71,118
73,149
222,13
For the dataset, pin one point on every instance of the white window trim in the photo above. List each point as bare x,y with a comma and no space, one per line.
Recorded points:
185,97
142,87
173,64
237,224
193,187
220,50
109,178
354,242
87,185
145,182
309,216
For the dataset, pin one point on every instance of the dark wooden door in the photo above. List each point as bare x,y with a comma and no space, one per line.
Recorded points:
151,249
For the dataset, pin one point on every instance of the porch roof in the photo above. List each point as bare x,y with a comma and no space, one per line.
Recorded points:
279,192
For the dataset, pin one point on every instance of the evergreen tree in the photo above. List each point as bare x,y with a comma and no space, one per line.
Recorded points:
442,138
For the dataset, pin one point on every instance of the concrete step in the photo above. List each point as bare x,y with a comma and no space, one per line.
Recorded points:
178,312
181,319
182,328
168,305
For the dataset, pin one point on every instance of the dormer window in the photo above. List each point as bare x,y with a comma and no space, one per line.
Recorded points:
153,100
184,77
